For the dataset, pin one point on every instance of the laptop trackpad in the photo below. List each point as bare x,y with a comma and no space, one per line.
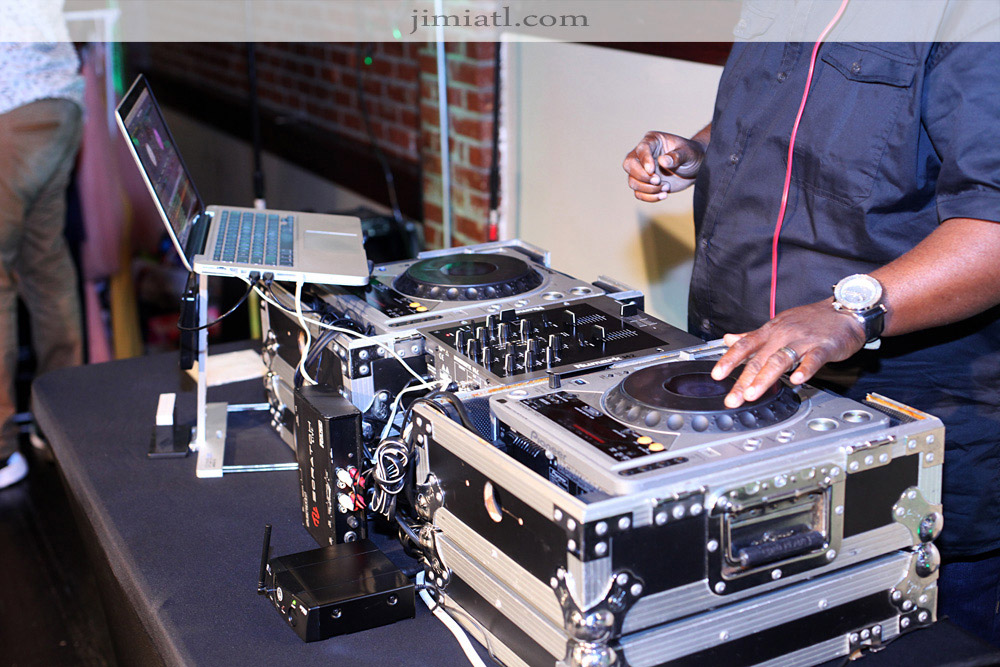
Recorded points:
323,242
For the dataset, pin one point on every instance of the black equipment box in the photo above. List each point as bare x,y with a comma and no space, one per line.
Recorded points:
328,449
337,590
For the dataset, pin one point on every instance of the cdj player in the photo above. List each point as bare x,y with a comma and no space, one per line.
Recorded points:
626,499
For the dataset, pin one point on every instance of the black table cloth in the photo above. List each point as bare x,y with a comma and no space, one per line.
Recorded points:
177,557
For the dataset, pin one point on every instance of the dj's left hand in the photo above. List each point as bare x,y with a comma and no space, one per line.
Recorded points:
803,338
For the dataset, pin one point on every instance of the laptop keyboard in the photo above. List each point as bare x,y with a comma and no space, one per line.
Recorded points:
248,237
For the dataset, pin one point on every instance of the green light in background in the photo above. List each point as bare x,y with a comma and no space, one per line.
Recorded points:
368,60
396,34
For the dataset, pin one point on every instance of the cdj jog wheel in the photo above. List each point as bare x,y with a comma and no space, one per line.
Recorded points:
682,396
468,277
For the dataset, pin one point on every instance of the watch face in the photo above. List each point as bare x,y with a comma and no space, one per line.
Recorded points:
858,292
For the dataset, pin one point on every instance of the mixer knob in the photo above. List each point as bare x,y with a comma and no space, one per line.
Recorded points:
525,329
508,364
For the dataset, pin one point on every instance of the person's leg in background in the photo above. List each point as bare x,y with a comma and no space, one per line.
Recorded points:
38,145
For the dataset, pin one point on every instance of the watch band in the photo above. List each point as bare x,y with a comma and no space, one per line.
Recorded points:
872,320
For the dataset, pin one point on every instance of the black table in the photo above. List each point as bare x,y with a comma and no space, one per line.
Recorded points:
177,557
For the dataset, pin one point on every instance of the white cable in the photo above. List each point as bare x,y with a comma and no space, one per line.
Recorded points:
342,330
395,404
450,623
305,328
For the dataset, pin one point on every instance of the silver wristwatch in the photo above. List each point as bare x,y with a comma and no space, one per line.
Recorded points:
860,296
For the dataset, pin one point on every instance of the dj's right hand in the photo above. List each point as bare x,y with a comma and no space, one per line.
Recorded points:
662,163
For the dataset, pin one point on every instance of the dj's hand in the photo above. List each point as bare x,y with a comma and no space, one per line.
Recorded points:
803,338
662,163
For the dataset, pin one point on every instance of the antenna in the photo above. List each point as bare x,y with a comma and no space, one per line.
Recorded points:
261,589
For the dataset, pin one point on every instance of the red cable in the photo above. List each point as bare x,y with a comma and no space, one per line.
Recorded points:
791,147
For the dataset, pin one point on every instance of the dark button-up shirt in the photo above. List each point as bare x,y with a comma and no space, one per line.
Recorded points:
895,139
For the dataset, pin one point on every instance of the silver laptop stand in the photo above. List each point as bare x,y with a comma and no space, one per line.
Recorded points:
212,418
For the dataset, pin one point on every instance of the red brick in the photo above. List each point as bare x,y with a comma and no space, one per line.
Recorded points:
479,156
478,203
432,236
431,163
428,61
429,115
481,50
479,101
432,212
474,229
407,70
480,129
472,74
477,179
408,118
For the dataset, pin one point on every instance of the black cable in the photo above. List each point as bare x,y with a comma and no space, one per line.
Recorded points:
258,171
455,403
495,154
408,530
254,278
390,181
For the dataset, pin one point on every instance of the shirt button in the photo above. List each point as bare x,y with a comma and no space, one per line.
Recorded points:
734,158
706,325
856,67
782,76
703,244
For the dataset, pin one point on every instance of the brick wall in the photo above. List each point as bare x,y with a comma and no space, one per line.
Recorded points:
316,84
470,106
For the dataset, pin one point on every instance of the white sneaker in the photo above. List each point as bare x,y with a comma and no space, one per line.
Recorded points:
14,471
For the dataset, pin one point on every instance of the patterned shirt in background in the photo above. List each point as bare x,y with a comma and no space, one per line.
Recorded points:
37,60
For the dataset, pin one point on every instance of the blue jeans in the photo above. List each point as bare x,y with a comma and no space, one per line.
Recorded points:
969,594
38,145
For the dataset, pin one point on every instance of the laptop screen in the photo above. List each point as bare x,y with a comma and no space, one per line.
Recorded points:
161,161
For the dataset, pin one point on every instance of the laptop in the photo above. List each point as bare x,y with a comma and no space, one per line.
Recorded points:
232,240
